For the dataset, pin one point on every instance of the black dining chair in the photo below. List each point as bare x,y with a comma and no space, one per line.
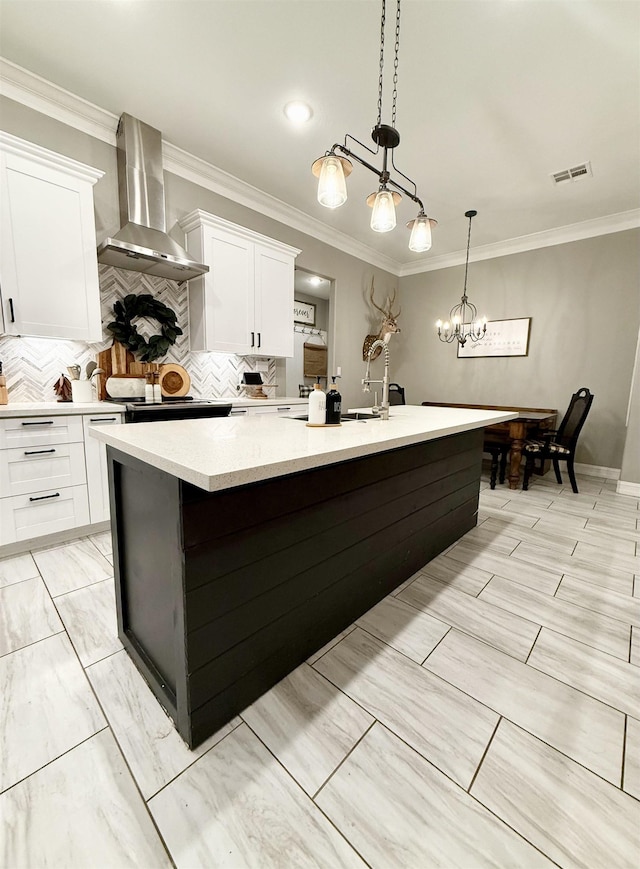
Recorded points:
498,450
559,445
396,394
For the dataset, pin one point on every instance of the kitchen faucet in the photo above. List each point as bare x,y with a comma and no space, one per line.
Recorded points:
366,381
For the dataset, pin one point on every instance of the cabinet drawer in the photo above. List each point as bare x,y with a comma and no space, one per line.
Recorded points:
23,471
26,516
36,431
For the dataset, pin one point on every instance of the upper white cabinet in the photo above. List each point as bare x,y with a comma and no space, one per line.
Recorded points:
244,304
49,270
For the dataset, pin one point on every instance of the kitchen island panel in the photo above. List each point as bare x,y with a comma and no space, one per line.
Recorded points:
366,525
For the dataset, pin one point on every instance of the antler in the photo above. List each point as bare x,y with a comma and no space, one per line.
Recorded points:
391,300
382,310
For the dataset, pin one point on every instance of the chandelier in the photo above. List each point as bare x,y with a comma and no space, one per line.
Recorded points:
332,169
463,323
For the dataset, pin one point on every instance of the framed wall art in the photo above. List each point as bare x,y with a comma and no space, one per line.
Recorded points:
502,338
304,312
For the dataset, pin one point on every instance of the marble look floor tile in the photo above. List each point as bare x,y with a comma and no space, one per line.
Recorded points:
628,502
611,557
497,500
73,565
455,574
103,544
236,807
585,500
403,585
89,615
17,569
46,707
308,724
496,626
623,607
602,676
515,520
404,628
607,577
634,654
623,544
631,780
399,811
486,536
554,540
82,810
576,818
447,727
26,615
579,726
330,645
618,525
599,631
604,509
152,746
533,576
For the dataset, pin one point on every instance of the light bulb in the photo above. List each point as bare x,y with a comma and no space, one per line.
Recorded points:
383,218
332,188
420,239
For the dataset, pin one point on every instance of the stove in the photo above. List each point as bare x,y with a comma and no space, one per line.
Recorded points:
186,407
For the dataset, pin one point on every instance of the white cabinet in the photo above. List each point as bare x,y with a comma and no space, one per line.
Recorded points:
96,456
244,304
49,270
43,485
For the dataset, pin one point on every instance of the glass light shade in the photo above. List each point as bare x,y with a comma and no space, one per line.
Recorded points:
332,188
383,218
420,239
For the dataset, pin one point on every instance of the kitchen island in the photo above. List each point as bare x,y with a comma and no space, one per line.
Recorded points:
241,546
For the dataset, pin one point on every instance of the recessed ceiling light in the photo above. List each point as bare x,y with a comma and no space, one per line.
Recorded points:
298,112
315,281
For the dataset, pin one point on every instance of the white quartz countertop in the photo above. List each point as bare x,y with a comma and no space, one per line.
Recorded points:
57,408
221,453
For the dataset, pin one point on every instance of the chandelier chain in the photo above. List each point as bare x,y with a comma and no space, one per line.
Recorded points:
466,268
395,66
382,22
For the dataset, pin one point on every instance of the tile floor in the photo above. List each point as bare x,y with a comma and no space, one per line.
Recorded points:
485,714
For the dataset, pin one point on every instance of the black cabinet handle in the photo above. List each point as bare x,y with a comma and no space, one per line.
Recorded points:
253,339
37,452
259,340
39,422
284,408
13,319
105,419
45,497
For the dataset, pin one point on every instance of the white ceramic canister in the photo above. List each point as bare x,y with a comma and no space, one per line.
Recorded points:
125,386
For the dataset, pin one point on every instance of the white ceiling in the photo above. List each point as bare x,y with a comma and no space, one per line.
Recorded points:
493,96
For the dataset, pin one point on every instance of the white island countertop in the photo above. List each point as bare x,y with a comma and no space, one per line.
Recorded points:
224,452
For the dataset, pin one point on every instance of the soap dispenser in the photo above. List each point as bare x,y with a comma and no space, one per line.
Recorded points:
334,404
317,405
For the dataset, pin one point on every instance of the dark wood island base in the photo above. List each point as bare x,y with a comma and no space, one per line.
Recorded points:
221,594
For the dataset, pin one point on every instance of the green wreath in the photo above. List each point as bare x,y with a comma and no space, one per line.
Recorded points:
124,330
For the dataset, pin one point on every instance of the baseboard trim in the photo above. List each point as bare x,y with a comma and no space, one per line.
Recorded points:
597,471
48,540
624,488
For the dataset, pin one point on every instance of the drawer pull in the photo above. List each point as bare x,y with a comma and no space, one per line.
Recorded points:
13,316
39,422
105,419
44,497
37,452
234,412
284,408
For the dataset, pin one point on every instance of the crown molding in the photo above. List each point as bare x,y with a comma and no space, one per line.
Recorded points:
43,96
548,238
20,147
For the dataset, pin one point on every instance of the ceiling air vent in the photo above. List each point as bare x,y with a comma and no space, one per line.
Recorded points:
575,173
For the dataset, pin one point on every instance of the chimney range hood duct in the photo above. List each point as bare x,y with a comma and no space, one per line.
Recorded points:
142,245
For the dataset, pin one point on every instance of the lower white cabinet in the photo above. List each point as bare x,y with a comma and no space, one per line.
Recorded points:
96,457
53,474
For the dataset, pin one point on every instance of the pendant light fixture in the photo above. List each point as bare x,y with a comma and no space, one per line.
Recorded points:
463,324
332,169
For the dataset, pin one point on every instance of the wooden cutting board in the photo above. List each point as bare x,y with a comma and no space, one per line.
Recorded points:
115,360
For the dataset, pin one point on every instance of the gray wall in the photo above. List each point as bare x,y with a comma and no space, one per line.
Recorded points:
630,472
584,302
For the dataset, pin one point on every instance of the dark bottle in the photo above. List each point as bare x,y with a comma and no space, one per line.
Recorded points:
334,404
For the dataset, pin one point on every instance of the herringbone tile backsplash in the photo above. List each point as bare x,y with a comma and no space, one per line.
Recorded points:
32,365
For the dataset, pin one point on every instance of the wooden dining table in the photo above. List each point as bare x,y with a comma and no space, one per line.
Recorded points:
530,422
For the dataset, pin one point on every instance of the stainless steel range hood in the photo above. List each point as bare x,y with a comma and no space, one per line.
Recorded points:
142,245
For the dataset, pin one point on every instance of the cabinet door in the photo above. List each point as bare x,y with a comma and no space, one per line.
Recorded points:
97,474
228,308
47,244
273,302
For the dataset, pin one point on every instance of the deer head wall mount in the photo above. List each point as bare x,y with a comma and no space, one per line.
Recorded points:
388,325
